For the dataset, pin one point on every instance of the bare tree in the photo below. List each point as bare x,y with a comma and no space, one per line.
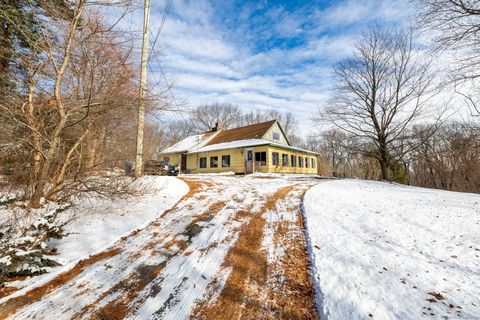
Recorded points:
379,93
287,120
229,116
456,24
449,159
205,117
73,91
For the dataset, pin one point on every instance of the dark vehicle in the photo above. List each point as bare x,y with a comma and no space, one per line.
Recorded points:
160,168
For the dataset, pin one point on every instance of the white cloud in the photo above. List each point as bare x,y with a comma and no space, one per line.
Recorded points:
210,62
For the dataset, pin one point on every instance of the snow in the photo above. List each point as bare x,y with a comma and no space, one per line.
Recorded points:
99,222
387,251
189,143
7,260
188,269
232,145
294,176
110,220
243,144
207,174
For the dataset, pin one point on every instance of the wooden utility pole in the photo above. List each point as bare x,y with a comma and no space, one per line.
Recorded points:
143,89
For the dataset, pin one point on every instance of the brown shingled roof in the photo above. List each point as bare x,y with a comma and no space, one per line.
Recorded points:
254,131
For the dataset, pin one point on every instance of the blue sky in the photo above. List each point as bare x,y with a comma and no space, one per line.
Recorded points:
262,54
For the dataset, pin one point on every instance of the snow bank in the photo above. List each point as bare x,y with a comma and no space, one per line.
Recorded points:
100,223
394,252
286,175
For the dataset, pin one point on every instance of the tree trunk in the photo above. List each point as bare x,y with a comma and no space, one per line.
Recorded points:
37,195
384,158
384,169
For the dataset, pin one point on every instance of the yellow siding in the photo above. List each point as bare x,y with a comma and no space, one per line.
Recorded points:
173,158
237,160
269,135
289,169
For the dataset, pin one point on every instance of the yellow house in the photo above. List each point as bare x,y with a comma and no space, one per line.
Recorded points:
261,147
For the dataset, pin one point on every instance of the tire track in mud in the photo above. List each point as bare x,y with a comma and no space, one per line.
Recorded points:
151,267
14,304
261,289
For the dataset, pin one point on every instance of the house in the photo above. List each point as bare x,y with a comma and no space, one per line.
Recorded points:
261,147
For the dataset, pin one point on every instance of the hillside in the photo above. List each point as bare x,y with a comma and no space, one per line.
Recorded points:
387,251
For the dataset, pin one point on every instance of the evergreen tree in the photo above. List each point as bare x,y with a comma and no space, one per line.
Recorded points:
24,29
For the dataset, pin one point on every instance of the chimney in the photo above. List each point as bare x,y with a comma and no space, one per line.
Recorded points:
217,126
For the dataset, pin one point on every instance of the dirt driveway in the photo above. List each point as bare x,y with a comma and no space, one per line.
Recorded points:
233,247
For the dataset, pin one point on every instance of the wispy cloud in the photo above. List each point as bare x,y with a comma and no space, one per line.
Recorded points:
263,55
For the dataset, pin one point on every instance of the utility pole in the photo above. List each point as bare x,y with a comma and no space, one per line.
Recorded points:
143,89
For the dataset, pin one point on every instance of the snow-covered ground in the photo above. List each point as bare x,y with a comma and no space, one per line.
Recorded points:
230,247
387,251
99,223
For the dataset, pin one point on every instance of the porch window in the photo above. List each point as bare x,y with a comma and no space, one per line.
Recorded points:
261,157
300,162
203,162
275,159
213,162
313,163
226,161
284,160
307,164
293,160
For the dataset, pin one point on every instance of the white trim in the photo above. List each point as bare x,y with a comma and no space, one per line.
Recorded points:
245,144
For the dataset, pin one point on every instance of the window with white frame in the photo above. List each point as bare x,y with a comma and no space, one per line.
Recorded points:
261,158
275,159
293,160
226,161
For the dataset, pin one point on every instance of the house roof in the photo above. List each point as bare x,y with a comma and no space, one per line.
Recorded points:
247,136
190,142
246,143
254,131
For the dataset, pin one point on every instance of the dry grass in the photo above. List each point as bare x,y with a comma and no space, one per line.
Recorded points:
36,294
247,293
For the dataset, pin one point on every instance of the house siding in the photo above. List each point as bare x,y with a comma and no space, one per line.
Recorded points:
173,158
289,169
237,160
275,129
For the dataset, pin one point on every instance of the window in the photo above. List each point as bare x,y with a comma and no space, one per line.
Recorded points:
300,162
261,157
166,158
249,155
275,159
226,161
284,160
276,136
313,163
213,162
307,163
203,162
293,160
